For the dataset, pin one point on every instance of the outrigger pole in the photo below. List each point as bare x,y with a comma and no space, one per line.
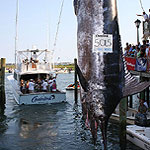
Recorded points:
16,36
57,30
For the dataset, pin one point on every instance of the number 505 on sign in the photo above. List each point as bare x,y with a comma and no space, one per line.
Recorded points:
103,43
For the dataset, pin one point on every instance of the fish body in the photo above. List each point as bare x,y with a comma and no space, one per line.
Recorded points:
103,71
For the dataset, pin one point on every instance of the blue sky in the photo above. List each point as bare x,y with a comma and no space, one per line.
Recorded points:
37,17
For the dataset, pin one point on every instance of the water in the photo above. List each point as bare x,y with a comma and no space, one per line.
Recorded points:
50,127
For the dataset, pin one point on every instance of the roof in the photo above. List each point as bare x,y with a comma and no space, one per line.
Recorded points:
33,50
134,87
36,72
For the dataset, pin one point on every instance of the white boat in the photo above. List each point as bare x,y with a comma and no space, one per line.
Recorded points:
140,136
64,71
34,67
130,115
72,87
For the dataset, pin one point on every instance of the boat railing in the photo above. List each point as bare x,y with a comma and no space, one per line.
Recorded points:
34,66
138,64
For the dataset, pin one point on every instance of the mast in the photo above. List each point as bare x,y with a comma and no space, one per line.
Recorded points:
57,31
16,36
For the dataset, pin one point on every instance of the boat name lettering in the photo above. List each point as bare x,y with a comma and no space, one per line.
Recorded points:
42,98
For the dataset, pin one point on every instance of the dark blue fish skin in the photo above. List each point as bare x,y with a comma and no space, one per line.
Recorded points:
104,72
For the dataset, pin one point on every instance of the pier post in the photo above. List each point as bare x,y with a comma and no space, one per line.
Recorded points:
131,101
147,95
142,94
122,120
75,82
2,82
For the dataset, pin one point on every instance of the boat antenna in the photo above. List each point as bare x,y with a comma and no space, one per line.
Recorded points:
48,36
58,24
16,37
141,5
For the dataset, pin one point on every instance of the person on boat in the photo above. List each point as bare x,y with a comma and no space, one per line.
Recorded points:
31,86
50,84
31,59
54,86
44,86
39,85
27,86
35,56
22,86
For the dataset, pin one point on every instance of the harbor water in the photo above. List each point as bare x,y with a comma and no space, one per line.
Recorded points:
51,127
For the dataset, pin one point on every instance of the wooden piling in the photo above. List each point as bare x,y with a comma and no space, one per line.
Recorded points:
122,111
131,101
75,82
2,82
147,95
142,94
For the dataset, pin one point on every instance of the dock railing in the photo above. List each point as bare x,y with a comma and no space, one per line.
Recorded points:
34,66
137,64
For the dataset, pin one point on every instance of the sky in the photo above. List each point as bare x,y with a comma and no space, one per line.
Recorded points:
37,24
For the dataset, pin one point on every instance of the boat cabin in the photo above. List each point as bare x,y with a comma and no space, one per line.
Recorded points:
33,64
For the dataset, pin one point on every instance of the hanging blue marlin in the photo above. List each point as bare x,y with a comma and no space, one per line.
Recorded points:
101,69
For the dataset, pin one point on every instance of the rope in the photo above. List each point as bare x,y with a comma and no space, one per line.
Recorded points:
141,5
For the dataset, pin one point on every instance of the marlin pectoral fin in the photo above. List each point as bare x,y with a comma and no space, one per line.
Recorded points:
82,79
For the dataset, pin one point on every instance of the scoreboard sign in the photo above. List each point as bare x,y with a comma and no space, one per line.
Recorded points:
103,43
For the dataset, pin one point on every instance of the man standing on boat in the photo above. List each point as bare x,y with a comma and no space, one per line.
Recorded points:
50,82
35,56
44,86
31,86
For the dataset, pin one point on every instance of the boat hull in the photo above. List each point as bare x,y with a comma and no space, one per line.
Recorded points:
35,98
130,115
42,98
140,136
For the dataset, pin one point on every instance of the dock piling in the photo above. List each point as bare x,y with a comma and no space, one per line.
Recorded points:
75,82
2,81
131,101
122,112
147,95
142,94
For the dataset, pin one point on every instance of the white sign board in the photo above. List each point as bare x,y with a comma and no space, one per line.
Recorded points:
103,43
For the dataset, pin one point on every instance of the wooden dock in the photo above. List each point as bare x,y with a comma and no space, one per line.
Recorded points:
2,82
